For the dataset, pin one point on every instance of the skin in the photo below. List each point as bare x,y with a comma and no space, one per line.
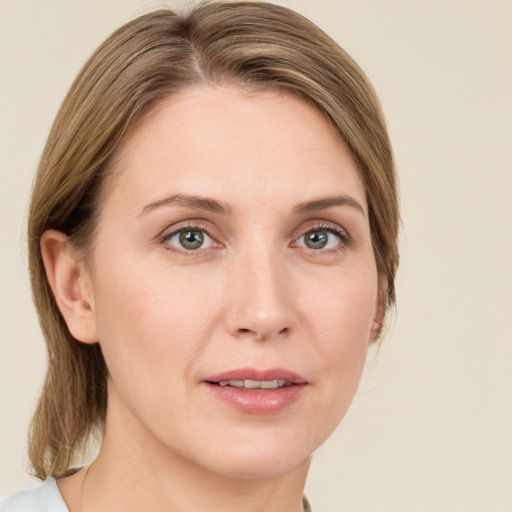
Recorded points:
253,295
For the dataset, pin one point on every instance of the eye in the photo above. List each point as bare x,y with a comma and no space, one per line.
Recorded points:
320,239
189,239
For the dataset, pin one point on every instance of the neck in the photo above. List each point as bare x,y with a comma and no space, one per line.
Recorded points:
114,490
134,472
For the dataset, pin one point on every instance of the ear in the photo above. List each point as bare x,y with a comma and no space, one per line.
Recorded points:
380,313
71,285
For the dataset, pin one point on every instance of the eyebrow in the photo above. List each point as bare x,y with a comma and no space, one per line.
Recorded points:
213,205
329,202
189,201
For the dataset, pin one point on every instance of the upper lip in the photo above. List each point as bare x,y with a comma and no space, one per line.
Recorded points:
258,375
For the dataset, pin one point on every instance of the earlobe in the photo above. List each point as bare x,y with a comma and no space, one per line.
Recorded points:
378,319
376,330
70,284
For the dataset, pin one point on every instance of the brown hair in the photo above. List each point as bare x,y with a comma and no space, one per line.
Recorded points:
251,44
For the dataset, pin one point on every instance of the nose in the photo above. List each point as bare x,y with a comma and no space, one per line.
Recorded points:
261,298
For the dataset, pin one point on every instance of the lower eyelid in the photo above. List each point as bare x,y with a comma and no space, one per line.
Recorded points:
207,239
340,239
344,239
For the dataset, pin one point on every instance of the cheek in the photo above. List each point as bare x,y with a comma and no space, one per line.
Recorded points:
341,319
342,309
148,320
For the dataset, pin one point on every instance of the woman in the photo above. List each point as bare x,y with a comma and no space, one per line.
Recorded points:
213,244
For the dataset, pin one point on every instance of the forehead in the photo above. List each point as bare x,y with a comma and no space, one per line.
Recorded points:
236,144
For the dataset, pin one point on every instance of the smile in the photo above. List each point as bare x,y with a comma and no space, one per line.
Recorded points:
255,391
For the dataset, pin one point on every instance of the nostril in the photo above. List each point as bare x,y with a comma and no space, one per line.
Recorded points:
261,336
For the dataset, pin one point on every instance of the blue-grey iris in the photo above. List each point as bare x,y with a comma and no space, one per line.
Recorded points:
316,239
191,239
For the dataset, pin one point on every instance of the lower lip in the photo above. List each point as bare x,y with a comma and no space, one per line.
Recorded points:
258,401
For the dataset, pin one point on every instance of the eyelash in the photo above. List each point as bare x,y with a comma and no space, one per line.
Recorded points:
166,237
344,237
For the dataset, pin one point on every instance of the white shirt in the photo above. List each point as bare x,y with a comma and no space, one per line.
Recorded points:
45,497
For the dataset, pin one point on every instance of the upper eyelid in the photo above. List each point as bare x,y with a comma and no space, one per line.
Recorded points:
168,233
199,225
344,237
214,233
323,224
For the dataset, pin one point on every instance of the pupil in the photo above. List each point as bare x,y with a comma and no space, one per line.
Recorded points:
316,239
191,239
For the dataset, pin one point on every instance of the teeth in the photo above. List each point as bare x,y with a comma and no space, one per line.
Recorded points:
234,383
254,384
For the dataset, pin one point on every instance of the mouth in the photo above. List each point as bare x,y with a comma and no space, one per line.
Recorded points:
257,391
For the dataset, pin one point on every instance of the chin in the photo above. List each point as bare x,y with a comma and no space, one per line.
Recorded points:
262,468
265,458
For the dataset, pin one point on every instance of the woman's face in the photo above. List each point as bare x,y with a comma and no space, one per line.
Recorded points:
232,282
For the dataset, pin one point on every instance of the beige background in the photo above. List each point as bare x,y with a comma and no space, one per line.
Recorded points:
431,429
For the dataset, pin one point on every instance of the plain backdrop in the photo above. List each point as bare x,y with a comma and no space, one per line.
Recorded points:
431,427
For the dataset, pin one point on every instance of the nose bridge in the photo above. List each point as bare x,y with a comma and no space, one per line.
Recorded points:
261,292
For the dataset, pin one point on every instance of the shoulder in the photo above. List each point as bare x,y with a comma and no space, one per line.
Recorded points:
306,507
43,498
